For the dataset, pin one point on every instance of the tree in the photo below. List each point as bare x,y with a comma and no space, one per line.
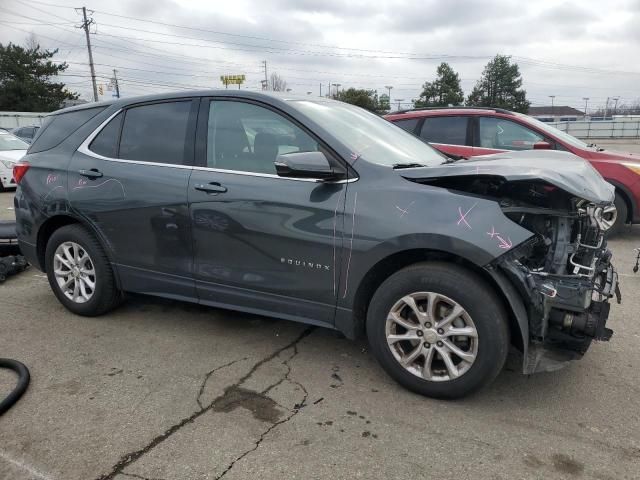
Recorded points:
367,99
277,83
444,90
384,102
500,86
25,79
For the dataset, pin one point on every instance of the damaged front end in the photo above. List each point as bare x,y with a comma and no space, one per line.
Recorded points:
564,273
559,281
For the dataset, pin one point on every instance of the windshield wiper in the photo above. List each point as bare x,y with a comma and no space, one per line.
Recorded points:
408,165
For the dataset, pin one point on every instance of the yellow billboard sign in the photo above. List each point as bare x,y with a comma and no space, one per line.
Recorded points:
232,79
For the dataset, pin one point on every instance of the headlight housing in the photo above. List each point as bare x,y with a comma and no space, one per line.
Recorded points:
634,167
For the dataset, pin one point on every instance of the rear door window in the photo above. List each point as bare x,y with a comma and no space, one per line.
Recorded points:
448,130
60,126
408,124
156,133
502,134
106,142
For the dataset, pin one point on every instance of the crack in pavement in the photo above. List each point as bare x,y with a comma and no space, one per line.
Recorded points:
293,413
132,457
208,376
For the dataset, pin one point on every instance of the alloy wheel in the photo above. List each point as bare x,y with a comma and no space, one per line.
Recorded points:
431,336
74,272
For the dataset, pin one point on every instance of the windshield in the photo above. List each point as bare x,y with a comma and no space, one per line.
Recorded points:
369,135
9,142
565,137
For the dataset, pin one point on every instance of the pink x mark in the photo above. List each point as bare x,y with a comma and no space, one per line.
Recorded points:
463,216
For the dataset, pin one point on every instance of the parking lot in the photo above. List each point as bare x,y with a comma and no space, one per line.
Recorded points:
164,390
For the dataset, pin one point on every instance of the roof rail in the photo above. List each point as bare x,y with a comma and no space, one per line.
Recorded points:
494,109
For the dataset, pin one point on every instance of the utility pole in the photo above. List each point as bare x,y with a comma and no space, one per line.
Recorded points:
320,88
337,85
266,78
399,100
586,101
115,81
85,25
552,97
606,108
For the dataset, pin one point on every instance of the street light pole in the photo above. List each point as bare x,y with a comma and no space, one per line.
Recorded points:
586,101
552,97
615,105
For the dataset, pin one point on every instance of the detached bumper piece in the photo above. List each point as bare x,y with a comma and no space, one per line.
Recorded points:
10,262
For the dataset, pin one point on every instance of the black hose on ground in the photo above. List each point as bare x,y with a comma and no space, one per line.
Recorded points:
21,387
9,265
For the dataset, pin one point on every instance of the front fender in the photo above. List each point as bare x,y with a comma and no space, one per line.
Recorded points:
380,222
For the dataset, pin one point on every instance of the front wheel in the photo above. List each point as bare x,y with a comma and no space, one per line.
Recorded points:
79,272
438,329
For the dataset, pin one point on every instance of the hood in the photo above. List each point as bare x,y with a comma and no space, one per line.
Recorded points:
12,155
561,169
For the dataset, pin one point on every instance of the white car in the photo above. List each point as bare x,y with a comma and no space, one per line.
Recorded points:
12,149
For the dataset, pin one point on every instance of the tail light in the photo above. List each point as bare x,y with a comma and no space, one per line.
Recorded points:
19,169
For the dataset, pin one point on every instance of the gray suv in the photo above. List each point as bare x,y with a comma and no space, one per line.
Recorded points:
319,212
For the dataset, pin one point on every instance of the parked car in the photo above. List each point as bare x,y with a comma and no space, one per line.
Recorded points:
479,131
12,149
26,133
320,212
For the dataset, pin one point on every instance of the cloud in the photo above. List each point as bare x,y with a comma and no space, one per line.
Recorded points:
298,39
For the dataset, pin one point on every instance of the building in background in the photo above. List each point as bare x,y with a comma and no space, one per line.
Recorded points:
556,113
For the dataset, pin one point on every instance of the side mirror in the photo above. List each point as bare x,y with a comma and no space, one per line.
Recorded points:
304,165
542,146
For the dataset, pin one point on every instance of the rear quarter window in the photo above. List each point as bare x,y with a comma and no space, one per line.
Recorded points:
58,127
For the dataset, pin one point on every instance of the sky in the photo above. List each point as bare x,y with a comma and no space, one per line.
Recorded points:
567,49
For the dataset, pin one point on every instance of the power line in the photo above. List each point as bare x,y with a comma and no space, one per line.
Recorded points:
408,55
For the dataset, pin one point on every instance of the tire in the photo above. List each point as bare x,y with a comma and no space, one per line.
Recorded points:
621,219
448,285
90,301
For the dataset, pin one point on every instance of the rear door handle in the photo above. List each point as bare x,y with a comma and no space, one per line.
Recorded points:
213,187
93,173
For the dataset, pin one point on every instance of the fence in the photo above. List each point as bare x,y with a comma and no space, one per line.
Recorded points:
619,127
20,119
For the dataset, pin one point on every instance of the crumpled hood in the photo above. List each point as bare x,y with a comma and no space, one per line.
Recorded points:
561,169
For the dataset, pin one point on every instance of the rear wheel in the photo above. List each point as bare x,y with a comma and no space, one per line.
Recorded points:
79,272
438,330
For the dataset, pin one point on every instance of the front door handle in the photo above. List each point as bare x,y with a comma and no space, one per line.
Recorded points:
93,173
213,187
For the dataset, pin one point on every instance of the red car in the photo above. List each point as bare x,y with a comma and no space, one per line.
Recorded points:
475,131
